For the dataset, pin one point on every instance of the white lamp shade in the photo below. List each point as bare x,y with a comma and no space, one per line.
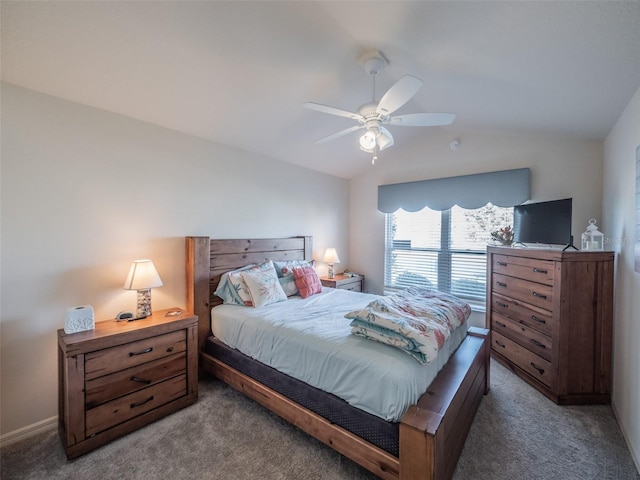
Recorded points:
331,256
142,276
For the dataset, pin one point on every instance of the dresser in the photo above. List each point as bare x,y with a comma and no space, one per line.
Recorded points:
550,313
344,282
123,375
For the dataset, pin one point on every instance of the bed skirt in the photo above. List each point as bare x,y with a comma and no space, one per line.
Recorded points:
371,428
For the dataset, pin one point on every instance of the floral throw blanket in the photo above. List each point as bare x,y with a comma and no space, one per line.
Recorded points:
417,320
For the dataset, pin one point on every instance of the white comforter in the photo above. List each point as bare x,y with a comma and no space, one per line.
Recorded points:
310,339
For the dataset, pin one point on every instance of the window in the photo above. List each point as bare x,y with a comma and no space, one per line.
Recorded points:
442,249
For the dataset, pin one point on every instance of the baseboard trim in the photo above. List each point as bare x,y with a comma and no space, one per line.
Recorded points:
630,445
28,431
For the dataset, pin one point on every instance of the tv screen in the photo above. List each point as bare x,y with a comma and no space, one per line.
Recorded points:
544,222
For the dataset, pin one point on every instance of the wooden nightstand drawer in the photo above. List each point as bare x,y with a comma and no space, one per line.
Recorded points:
115,359
125,408
105,388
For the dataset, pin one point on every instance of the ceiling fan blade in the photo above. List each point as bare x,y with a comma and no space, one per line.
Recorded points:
385,139
339,134
333,111
399,94
422,119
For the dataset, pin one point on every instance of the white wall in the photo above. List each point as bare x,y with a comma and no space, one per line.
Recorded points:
85,192
560,168
619,226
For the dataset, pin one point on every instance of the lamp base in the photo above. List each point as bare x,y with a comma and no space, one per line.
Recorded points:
331,274
144,303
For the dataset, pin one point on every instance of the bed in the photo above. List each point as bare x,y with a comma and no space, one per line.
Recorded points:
428,437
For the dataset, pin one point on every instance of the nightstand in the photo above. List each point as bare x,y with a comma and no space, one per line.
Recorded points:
121,376
343,282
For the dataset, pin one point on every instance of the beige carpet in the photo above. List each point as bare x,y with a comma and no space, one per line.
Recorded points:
517,434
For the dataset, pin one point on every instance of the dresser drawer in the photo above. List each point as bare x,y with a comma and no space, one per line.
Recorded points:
534,365
109,360
529,292
108,387
532,316
125,408
540,271
532,340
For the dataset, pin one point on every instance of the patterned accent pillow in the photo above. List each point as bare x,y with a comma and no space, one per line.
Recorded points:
264,287
285,274
227,292
240,286
307,281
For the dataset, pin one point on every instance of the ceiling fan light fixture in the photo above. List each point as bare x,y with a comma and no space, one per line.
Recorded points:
384,140
368,141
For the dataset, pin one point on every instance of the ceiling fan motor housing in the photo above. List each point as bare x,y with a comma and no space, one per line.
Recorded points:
373,62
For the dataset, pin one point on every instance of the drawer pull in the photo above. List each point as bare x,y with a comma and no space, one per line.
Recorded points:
502,264
536,319
500,284
540,370
134,405
500,324
170,349
500,344
140,380
539,270
503,305
148,350
539,295
538,344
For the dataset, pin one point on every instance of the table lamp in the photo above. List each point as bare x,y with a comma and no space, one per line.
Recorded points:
331,257
142,277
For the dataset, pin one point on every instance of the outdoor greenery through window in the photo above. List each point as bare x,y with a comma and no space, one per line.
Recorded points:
446,250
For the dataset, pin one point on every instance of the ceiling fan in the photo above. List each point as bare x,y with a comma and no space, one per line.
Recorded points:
372,116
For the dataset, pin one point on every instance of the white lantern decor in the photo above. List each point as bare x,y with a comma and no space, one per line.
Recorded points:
592,238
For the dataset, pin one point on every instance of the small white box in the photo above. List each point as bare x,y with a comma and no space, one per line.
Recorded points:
79,319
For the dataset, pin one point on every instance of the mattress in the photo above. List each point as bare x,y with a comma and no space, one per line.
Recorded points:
311,341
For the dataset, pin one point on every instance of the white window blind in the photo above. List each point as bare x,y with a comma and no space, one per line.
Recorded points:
442,249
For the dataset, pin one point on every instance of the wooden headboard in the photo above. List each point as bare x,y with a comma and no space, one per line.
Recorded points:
207,259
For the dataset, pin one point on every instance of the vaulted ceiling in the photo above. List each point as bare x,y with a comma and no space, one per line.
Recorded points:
238,72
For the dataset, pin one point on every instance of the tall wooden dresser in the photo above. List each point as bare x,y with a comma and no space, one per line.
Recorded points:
550,314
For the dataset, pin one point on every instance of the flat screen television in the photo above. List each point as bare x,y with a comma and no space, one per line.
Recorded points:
543,222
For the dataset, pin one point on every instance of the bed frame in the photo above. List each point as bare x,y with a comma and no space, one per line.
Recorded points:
432,432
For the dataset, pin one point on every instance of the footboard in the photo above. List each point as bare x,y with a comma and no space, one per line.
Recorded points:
432,433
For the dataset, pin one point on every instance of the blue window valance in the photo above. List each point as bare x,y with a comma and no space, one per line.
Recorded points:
505,189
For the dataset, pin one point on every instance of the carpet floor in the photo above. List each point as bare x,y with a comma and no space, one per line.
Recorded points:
517,434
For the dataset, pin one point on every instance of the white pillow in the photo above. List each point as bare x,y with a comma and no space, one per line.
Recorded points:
240,286
263,287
